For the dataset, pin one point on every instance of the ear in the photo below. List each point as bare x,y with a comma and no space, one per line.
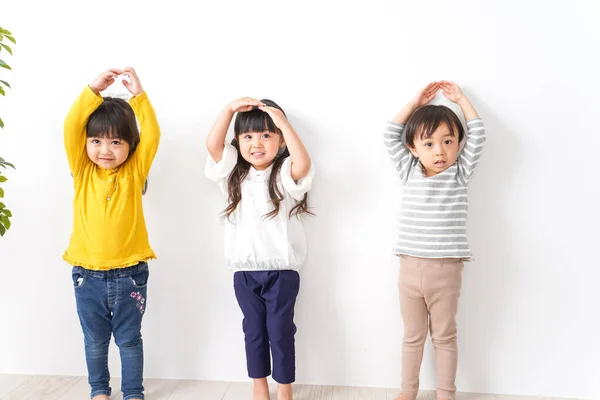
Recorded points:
281,142
413,151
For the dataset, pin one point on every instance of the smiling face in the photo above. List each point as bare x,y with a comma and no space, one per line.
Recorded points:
107,152
260,148
111,133
258,137
436,152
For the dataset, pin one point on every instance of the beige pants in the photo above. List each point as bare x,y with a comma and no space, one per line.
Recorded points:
429,292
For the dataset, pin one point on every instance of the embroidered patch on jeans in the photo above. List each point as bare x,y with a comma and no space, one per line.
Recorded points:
140,300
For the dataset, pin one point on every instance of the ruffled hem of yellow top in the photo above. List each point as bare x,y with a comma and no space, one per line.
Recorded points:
125,264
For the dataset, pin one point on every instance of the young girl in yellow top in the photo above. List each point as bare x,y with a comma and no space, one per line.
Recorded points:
109,248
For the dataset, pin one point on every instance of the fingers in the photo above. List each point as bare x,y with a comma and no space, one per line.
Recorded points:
431,86
114,71
130,72
244,104
251,101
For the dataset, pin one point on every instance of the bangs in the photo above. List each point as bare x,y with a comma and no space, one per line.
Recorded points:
429,126
254,121
113,119
104,130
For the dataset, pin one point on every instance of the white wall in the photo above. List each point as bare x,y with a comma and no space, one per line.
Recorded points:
528,319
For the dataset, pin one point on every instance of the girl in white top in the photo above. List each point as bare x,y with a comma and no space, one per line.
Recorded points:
265,174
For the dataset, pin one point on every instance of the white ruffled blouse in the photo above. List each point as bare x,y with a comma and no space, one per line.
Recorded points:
253,242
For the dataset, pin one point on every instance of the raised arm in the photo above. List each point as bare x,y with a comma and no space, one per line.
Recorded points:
75,123
215,141
471,153
392,135
300,160
149,128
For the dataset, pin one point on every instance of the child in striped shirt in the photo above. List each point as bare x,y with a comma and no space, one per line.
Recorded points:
432,241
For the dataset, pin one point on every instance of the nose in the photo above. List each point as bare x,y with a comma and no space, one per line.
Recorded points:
105,149
256,142
439,150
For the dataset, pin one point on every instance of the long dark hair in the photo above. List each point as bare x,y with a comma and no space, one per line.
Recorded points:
258,121
115,119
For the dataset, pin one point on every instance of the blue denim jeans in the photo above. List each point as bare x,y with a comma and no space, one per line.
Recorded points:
113,302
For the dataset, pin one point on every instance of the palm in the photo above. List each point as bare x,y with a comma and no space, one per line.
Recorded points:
452,91
426,94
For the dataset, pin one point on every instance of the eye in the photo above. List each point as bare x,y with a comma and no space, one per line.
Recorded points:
428,144
247,137
95,141
266,136
448,141
115,142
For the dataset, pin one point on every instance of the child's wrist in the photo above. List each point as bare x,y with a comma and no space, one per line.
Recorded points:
462,101
93,89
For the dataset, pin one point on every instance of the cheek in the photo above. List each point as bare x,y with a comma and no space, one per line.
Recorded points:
244,146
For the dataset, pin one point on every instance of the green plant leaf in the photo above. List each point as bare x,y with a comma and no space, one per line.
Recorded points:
2,92
1,123
1,193
3,179
5,221
4,83
6,47
4,65
7,213
2,229
12,39
3,164
2,205
5,31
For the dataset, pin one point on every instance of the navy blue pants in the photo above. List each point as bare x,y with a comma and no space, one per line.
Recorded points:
267,300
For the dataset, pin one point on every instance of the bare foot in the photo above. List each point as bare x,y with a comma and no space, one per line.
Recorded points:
261,389
284,392
101,397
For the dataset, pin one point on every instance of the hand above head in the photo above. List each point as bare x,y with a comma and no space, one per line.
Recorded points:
244,104
426,94
276,115
104,80
452,91
133,85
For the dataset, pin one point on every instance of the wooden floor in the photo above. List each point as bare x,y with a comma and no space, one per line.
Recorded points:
38,387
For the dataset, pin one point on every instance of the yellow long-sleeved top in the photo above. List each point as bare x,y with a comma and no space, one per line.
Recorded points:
109,230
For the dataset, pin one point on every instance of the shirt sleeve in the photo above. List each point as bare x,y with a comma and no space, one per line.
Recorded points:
75,126
149,133
297,189
219,171
471,153
403,159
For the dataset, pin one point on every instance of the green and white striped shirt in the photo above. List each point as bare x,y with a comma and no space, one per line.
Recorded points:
433,220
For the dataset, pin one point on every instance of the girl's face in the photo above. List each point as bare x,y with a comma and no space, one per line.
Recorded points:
107,153
260,148
438,152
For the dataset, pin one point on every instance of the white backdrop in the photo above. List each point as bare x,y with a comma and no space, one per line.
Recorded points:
528,318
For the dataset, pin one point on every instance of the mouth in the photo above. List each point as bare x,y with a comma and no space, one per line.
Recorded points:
257,154
439,163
